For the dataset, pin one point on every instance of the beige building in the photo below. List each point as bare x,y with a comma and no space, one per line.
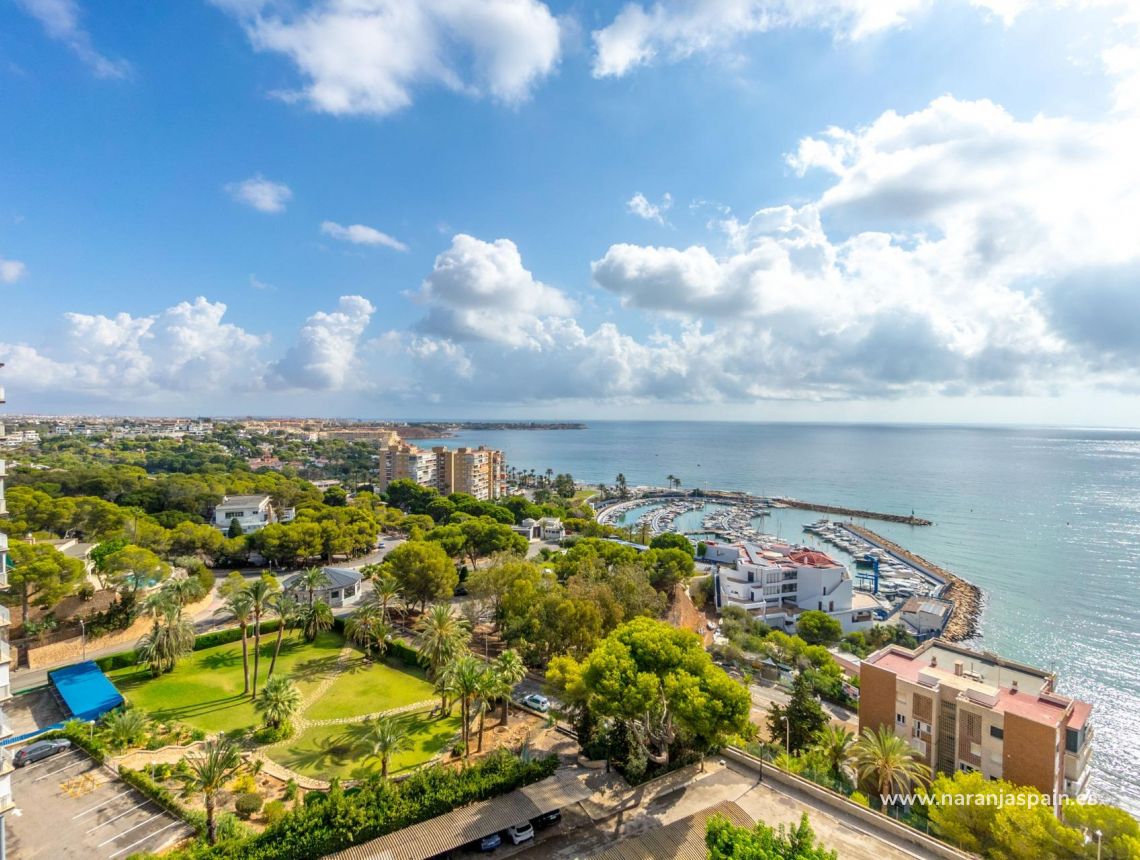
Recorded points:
967,710
480,472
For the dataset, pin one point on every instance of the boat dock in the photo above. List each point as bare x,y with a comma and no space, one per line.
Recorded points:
966,597
911,520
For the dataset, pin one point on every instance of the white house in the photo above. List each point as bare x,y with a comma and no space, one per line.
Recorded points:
925,616
251,512
528,528
551,529
776,582
343,588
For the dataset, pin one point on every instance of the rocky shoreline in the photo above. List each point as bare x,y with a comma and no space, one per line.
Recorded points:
910,520
965,618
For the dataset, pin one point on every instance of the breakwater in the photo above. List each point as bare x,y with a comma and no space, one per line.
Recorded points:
966,615
911,520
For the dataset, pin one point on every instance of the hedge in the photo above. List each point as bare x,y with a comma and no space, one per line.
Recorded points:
164,797
80,736
329,823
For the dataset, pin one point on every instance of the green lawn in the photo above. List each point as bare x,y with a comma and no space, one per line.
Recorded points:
340,750
366,688
205,690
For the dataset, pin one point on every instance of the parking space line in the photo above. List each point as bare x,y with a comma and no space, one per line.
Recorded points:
100,805
61,770
120,815
28,768
145,821
145,838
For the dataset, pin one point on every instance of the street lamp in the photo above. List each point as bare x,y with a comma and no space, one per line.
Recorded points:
787,733
1099,836
83,633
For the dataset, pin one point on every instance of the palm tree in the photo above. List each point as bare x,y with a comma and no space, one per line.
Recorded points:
886,762
280,700
260,592
487,690
315,619
385,590
443,637
284,606
239,605
311,581
467,675
368,628
210,770
171,637
444,687
669,481
508,668
834,744
184,590
388,735
125,726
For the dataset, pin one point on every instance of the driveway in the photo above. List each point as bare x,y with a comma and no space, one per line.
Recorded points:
68,806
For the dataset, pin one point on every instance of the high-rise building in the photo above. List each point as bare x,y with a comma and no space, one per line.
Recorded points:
974,711
480,472
6,803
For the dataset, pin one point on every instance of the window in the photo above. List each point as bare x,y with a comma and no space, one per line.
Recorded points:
997,732
234,515
350,591
900,719
1072,740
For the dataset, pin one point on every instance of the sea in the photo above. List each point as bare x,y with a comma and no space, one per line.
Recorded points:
1045,520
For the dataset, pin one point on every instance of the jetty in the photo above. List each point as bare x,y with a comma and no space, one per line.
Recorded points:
966,597
911,520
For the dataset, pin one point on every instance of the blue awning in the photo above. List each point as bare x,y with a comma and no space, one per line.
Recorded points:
86,692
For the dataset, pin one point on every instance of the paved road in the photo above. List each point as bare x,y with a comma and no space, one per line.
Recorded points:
765,802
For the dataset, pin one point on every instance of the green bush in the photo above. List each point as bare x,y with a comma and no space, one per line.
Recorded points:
291,789
206,578
247,805
334,821
274,811
267,735
80,735
404,653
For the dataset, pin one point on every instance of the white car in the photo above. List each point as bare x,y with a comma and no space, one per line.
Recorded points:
520,832
538,702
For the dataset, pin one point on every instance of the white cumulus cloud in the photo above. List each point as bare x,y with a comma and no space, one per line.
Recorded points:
370,56
324,358
481,291
361,234
260,193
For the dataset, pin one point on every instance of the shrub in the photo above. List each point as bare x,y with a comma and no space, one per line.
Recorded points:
267,735
205,578
404,653
274,811
161,795
80,735
244,784
247,805
860,798
291,789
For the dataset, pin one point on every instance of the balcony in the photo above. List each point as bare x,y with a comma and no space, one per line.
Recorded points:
5,616
6,765
5,727
5,652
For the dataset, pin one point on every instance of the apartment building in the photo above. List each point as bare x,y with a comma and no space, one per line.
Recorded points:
6,767
969,710
776,582
480,472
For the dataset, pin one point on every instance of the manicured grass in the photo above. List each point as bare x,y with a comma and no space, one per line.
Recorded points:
205,690
341,750
583,495
366,688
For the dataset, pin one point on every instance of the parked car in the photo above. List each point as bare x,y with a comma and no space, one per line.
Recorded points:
520,832
39,750
490,842
547,819
538,702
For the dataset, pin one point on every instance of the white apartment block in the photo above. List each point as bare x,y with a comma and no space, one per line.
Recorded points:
775,582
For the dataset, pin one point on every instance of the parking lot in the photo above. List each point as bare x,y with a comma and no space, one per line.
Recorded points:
68,806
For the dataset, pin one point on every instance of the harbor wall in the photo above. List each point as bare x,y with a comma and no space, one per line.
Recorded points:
966,615
910,520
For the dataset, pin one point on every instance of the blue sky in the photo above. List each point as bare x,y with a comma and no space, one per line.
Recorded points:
835,210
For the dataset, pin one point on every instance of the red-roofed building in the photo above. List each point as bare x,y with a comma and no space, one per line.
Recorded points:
971,710
776,582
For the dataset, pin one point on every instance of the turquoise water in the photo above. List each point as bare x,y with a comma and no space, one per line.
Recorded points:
1046,521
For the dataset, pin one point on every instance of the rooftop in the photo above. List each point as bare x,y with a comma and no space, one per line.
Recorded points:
929,605
684,839
243,501
339,577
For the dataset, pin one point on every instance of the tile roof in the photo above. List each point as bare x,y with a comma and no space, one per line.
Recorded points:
456,828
